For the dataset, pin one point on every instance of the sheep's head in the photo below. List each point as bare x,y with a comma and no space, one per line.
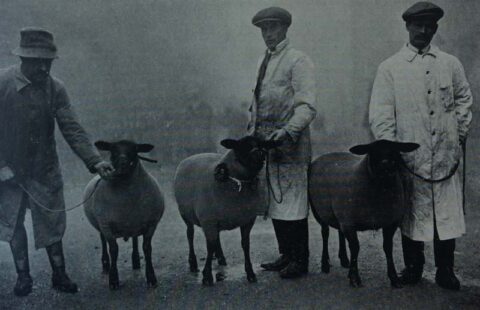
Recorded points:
250,152
123,155
384,156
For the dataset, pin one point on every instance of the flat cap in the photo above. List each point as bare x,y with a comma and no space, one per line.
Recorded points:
423,9
272,14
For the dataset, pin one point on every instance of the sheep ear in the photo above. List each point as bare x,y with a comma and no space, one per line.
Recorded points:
103,145
406,147
144,148
360,149
229,143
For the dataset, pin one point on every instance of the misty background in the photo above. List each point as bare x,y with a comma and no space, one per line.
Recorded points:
180,74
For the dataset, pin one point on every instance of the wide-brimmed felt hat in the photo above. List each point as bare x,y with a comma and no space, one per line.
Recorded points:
423,9
272,14
36,43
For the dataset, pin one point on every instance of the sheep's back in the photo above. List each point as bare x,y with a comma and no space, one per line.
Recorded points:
202,199
329,179
125,210
343,194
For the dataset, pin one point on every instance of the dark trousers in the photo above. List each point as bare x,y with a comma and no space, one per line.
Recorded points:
292,238
19,242
413,252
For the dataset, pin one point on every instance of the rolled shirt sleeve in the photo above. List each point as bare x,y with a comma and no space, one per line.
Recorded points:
303,82
73,132
463,100
382,107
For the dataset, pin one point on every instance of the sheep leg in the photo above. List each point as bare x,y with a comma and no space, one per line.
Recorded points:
388,233
147,251
105,258
325,254
192,258
245,232
113,272
135,255
211,235
219,254
342,250
354,246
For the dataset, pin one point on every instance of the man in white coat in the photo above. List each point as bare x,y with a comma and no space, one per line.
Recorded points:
421,95
282,109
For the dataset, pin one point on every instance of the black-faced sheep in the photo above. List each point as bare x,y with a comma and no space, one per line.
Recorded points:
356,194
128,204
219,192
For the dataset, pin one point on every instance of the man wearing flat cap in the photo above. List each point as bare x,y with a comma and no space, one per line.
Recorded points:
421,95
282,109
31,101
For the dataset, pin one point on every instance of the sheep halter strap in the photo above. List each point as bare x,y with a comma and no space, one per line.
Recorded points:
64,210
448,176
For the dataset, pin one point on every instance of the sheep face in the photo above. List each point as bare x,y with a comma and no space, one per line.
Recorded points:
250,152
384,156
123,155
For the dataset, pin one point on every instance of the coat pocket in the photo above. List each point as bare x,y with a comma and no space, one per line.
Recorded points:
446,96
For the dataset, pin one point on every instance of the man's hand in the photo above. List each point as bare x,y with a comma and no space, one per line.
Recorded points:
279,135
6,174
104,169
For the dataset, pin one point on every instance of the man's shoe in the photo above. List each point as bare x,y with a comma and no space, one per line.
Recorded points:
23,287
277,265
411,275
294,270
445,277
62,283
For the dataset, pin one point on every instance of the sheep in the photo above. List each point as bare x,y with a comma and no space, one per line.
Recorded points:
219,192
128,204
356,194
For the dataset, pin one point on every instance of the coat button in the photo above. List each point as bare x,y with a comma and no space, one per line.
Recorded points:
432,112
429,91
427,72
433,132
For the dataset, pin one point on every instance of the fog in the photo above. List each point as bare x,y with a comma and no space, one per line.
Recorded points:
180,74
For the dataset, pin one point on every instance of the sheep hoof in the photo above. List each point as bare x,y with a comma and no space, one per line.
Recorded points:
114,286
207,281
355,282
192,262
326,268
396,283
222,261
252,278
152,283
344,262
220,277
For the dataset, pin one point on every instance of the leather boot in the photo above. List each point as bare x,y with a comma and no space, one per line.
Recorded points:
19,247
414,259
298,266
277,265
24,284
445,277
60,279
411,275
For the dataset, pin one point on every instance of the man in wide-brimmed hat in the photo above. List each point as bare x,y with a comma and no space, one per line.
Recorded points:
282,109
31,100
421,95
